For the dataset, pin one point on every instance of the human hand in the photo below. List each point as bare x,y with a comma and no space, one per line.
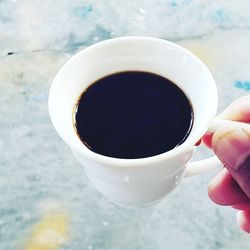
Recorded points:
231,187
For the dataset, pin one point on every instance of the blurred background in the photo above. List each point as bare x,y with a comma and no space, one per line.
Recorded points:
46,201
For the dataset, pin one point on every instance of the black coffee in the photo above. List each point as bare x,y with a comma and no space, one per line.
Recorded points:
133,114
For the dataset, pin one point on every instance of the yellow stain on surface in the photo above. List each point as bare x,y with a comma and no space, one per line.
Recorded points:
49,233
206,54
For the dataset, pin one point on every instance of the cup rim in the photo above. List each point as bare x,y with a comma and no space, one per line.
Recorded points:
81,149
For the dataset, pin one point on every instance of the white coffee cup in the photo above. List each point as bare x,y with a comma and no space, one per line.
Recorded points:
141,181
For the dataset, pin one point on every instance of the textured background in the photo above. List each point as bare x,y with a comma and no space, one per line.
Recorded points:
46,201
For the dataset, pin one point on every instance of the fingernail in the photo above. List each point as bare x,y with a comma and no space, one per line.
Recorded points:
232,147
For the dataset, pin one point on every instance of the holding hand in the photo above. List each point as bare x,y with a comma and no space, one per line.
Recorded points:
231,144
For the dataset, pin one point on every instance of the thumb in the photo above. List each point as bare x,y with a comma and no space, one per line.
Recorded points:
232,146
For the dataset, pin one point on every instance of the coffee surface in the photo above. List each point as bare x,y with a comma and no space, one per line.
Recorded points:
133,114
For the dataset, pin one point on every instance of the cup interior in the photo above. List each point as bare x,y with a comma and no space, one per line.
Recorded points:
127,54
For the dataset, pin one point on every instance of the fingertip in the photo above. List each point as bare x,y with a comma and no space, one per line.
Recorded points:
198,143
243,218
215,190
225,191
207,139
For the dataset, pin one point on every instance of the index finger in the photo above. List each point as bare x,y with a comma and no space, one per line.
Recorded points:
239,110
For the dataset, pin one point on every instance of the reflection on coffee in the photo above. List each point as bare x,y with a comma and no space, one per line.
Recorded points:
133,114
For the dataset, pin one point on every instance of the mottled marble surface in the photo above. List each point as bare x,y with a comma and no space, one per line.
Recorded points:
46,201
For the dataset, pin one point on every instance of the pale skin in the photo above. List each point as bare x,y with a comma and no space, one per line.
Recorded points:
231,187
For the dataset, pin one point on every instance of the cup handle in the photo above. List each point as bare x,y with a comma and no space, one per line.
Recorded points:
202,166
199,167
